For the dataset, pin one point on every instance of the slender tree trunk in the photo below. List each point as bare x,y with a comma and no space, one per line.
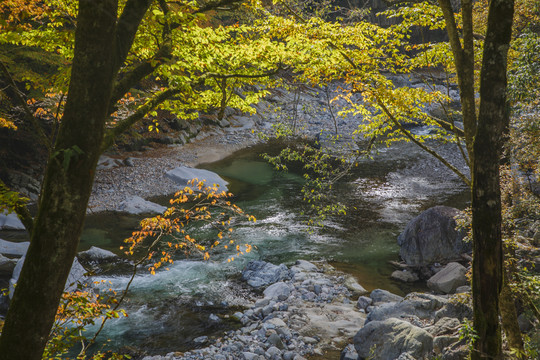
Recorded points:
509,318
486,194
67,185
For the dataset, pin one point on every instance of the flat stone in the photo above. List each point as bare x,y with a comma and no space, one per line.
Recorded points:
277,322
13,248
404,276
183,174
448,279
382,296
10,222
279,290
97,254
137,205
304,265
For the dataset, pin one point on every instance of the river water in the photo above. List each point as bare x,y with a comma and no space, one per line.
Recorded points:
168,310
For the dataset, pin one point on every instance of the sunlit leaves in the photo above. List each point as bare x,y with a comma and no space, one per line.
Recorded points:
160,237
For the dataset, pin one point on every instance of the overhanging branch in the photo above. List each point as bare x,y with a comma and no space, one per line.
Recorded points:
422,146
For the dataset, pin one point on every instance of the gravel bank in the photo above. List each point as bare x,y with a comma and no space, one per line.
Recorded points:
143,173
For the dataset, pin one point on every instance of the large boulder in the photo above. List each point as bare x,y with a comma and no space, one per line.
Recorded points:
7,265
432,237
95,254
417,305
183,174
260,273
391,338
448,279
76,275
137,205
383,296
10,222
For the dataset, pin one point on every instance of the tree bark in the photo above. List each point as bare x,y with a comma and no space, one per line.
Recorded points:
509,319
486,195
67,185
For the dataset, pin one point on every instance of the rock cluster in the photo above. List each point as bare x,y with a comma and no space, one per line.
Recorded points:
417,326
303,310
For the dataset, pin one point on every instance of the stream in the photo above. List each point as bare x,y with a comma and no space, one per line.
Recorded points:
167,311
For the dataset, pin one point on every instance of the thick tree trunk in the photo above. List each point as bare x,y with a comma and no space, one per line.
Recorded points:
486,194
67,185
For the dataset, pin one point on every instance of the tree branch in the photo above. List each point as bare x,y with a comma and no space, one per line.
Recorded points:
424,147
126,123
127,26
448,126
139,72
464,61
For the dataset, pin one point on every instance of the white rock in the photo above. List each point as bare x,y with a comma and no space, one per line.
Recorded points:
277,322
303,265
106,162
13,248
183,174
353,285
405,276
137,205
10,222
279,290
75,276
97,254
448,279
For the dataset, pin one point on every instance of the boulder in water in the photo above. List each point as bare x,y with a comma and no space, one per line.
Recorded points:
432,237
137,205
183,174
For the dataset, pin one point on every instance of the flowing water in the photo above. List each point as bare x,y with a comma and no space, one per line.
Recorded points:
168,310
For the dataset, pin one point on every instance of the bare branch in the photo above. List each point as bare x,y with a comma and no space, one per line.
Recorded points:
126,29
424,147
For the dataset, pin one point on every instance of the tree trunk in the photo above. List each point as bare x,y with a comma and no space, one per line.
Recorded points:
509,319
486,194
67,185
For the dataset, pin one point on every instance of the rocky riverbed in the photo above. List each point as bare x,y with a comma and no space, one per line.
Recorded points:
312,310
309,310
305,309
